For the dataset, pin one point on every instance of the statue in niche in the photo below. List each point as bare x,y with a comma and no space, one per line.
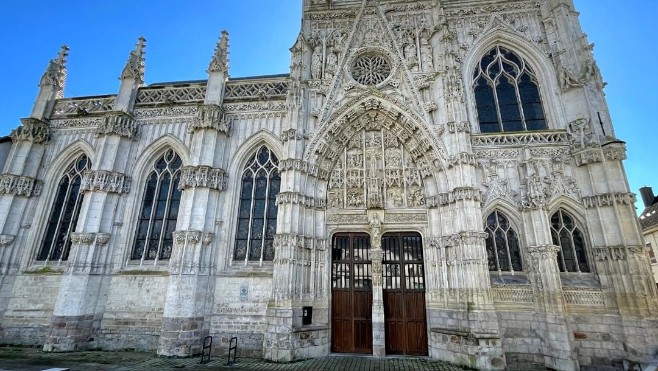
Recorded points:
316,64
332,64
592,72
409,50
375,232
566,79
426,54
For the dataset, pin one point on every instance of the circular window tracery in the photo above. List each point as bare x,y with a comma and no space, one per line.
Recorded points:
371,69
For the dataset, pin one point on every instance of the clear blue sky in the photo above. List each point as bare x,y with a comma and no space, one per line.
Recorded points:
181,36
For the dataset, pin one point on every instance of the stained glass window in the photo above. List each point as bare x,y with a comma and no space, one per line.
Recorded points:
567,235
502,244
157,217
64,213
254,239
507,94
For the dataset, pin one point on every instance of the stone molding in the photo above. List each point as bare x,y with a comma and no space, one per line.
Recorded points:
521,139
296,198
31,130
459,239
282,240
203,177
609,199
303,167
211,117
11,184
292,134
347,218
6,239
405,217
118,123
457,194
583,296
192,237
507,294
105,181
83,238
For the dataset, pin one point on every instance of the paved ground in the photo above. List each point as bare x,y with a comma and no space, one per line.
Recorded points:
33,359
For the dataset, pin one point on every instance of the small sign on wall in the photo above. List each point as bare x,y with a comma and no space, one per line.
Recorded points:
307,316
244,293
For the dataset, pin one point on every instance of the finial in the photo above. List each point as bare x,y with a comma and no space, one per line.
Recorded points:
219,61
55,74
135,65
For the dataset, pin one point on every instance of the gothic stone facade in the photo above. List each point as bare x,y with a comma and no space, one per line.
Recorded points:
431,177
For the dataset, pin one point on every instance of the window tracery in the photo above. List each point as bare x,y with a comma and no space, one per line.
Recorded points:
371,70
567,235
502,244
159,211
507,93
254,240
64,212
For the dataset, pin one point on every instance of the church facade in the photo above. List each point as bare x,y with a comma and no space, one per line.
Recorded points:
434,178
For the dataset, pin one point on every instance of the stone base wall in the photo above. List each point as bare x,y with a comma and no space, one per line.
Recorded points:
72,333
26,320
133,313
181,337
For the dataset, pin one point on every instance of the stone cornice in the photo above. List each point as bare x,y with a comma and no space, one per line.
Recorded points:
31,130
11,184
105,181
203,177
118,123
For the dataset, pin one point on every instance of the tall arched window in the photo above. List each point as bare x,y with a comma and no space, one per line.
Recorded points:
565,233
502,243
157,217
507,93
254,240
64,212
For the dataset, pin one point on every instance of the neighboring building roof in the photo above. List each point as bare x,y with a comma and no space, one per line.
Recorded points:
649,217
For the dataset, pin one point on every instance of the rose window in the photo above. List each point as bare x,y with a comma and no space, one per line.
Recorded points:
371,70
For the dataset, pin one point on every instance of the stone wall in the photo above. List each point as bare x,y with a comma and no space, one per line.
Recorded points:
133,314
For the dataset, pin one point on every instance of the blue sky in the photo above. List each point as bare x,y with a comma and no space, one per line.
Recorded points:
181,36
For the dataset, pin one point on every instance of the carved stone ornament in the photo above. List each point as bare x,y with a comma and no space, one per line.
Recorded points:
371,69
99,239
296,198
118,123
20,185
190,237
134,67
6,240
31,130
105,181
609,199
613,253
202,177
211,117
219,61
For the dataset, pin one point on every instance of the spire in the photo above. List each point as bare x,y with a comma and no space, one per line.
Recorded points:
219,62
135,65
55,74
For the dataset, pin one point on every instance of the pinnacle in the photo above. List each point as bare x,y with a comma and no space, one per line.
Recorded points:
219,61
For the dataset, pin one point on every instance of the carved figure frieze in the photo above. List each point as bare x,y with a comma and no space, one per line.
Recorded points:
31,130
296,198
11,184
105,181
118,123
202,177
211,117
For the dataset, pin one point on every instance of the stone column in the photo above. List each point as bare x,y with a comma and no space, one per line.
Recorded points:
378,319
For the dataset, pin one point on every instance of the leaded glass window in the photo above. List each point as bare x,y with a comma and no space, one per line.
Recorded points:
254,240
507,94
159,211
64,212
567,235
502,244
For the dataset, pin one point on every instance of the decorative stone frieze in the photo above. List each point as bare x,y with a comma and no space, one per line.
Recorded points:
118,123
588,156
195,93
192,237
462,238
463,158
299,242
457,194
202,177
609,199
347,219
459,127
31,130
257,89
98,239
614,151
210,116
291,134
506,294
6,239
296,198
105,181
613,253
83,107
303,167
584,296
405,217
11,184
520,139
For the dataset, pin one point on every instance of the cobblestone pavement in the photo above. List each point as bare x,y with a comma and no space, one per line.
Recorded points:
33,359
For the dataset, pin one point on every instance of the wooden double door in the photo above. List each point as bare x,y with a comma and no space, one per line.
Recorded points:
403,294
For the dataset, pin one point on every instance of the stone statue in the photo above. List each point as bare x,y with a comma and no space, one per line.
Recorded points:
316,64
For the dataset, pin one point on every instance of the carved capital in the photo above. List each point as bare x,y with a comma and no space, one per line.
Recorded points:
105,181
543,252
118,123
6,239
212,117
31,130
20,185
588,156
202,177
614,151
